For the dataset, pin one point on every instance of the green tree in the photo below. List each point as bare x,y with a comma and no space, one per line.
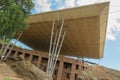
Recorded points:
13,14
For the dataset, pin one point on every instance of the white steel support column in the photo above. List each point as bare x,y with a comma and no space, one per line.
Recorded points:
55,47
51,40
7,54
56,56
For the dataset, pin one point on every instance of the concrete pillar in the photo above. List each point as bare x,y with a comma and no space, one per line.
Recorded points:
79,72
39,61
60,70
72,76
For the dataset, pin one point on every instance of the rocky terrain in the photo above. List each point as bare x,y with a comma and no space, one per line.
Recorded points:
19,69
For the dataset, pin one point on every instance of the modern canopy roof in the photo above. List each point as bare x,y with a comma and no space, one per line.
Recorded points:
85,35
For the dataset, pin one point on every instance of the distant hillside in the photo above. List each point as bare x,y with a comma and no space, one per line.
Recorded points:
96,72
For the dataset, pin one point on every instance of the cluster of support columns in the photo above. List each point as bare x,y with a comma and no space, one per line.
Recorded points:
56,41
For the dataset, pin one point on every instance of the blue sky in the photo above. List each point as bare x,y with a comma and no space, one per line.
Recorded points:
112,46
112,54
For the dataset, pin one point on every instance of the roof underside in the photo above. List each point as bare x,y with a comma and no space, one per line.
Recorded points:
85,35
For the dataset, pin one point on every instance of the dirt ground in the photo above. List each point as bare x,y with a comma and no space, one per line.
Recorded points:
19,69
7,73
3,77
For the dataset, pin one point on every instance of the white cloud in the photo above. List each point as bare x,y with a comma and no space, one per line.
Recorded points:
69,3
42,5
113,24
111,36
84,2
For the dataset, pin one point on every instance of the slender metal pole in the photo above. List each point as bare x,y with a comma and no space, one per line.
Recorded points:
3,55
58,52
50,46
57,44
53,50
13,46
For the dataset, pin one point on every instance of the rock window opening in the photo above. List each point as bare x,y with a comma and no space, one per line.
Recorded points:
35,59
77,67
12,53
27,56
20,53
67,65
